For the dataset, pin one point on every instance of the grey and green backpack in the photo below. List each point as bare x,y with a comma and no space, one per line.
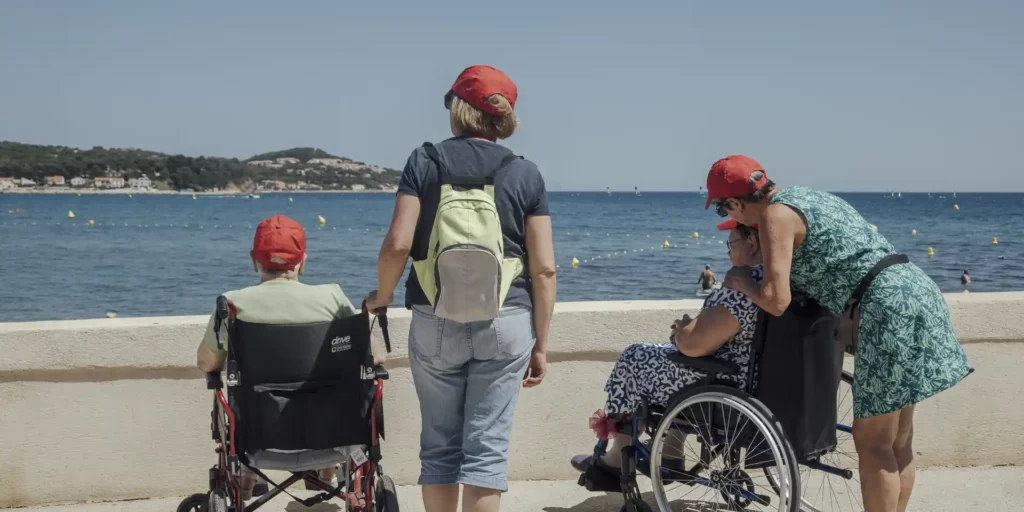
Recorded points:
465,275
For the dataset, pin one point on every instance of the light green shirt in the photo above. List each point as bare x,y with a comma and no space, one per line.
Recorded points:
283,301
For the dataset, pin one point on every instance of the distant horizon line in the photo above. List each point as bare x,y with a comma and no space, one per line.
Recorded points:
883,192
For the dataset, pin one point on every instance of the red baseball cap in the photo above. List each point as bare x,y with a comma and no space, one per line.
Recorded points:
732,224
279,244
730,177
477,83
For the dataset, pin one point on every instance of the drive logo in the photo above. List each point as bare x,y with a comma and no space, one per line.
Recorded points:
341,344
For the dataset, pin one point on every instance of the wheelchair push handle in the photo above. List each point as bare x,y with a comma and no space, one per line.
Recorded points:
382,317
222,312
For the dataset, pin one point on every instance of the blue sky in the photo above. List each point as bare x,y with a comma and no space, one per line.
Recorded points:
837,95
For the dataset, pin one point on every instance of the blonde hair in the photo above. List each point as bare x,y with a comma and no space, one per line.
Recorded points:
467,121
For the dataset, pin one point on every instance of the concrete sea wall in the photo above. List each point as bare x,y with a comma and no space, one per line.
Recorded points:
115,409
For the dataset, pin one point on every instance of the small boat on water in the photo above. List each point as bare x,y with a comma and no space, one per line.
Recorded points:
703,192
254,196
636,190
608,190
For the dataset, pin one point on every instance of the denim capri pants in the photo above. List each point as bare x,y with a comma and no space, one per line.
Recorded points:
467,378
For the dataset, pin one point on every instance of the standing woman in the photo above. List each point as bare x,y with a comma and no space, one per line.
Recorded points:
906,350
468,358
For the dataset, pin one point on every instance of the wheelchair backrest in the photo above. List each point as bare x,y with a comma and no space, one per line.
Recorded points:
799,368
269,353
301,387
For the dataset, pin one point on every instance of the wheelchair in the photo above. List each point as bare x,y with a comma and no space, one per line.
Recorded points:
781,442
298,398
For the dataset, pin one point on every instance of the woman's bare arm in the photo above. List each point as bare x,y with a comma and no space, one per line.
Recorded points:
541,251
707,333
778,230
394,251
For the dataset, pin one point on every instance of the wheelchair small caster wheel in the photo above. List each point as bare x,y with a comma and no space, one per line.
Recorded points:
386,499
260,489
636,505
194,503
218,501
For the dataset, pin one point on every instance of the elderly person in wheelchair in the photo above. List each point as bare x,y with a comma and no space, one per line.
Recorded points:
644,373
298,355
736,412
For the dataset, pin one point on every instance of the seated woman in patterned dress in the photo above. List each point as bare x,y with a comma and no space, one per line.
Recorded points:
724,329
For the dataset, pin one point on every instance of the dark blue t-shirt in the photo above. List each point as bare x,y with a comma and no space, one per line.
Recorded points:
519,192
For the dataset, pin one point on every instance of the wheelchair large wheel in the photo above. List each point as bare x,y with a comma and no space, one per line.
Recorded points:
824,490
710,448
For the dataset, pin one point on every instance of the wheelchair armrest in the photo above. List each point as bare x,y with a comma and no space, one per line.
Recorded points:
706,364
213,381
380,372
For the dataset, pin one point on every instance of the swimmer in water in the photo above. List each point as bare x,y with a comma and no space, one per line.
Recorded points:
707,278
965,278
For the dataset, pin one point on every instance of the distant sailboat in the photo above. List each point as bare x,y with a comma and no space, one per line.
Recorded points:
608,190
899,194
954,194
703,192
636,190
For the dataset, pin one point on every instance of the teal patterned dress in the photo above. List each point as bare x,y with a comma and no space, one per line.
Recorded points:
906,350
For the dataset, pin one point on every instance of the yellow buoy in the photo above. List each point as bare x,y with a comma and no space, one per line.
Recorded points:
92,222
696,234
931,252
967,291
289,199
995,241
575,262
129,196
321,220
874,227
79,194
913,232
193,196
666,244
71,214
956,207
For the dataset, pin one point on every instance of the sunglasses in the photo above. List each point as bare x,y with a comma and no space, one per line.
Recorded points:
448,99
721,207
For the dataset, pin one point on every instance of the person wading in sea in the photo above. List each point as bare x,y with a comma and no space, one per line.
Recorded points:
707,278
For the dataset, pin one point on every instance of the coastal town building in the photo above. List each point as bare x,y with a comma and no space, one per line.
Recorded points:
271,164
140,182
25,182
272,185
79,181
109,182
288,160
55,181
6,183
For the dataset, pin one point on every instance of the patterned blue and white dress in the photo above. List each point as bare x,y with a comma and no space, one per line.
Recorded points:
643,371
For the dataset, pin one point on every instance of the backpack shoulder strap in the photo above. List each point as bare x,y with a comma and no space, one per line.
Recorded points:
434,156
446,177
505,162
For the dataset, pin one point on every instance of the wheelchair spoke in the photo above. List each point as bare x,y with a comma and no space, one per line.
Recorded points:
726,433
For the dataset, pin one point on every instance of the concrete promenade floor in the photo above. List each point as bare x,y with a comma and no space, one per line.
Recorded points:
937,490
